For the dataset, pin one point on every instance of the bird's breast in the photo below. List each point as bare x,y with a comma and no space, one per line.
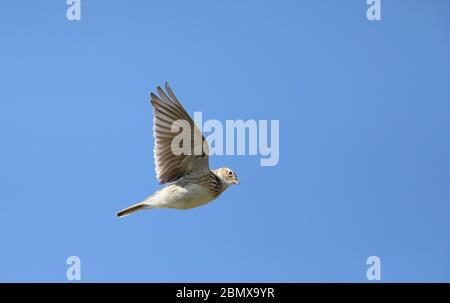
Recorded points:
186,196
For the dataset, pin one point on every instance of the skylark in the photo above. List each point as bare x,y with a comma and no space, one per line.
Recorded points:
190,181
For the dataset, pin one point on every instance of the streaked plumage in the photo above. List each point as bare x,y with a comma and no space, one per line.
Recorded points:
192,183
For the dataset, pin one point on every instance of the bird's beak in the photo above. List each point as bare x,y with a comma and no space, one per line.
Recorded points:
236,181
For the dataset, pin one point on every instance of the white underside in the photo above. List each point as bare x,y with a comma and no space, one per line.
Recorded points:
174,196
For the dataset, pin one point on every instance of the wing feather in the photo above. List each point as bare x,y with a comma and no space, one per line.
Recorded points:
170,167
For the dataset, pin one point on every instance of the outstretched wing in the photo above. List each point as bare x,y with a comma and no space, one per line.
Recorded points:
169,166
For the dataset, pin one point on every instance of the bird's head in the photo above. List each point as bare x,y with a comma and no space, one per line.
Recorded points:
227,176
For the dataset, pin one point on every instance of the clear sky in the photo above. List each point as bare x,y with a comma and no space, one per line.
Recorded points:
364,111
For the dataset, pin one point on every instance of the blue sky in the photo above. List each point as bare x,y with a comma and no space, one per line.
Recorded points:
364,140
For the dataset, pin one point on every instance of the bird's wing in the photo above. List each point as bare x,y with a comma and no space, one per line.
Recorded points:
169,166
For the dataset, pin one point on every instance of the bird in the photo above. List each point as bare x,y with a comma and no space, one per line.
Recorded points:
188,180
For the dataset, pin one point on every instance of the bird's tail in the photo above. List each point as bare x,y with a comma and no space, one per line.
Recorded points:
133,208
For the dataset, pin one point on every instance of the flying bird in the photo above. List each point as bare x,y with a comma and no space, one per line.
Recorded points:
189,181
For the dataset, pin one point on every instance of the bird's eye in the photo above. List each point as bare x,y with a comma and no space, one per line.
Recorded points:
230,173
